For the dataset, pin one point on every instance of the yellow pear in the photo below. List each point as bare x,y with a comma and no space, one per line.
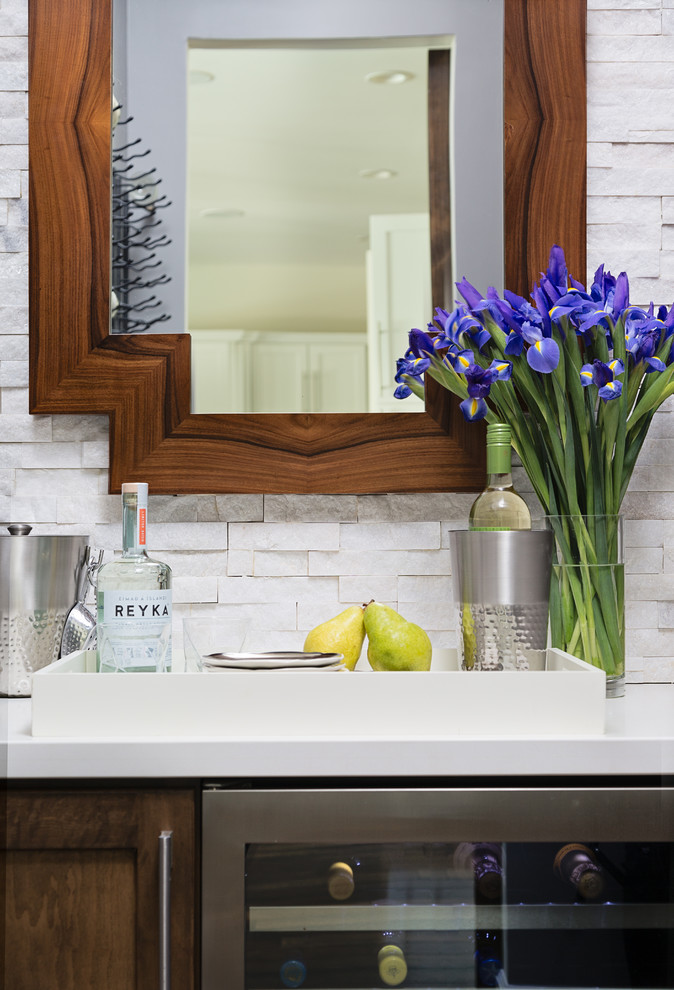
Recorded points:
344,634
393,642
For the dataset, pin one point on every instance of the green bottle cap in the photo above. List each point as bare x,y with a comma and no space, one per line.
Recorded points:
498,433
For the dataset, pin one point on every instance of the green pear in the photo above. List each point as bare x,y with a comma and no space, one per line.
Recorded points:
393,642
344,634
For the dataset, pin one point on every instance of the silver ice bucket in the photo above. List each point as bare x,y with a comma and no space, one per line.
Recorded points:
38,587
501,583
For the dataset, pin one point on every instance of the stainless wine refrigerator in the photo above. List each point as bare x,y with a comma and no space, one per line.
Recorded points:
437,887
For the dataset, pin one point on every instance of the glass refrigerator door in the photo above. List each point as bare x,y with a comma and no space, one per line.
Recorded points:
438,888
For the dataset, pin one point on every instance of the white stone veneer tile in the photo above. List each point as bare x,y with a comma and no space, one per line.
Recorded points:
648,505
33,510
665,615
98,508
14,401
624,209
170,536
310,508
25,429
359,562
248,590
390,536
642,615
311,613
362,588
430,615
650,642
413,508
283,536
652,478
425,588
193,589
80,427
13,372
659,670
261,640
644,533
56,481
276,563
239,508
623,4
95,454
51,455
14,347
649,587
626,22
263,616
643,560
630,181
239,563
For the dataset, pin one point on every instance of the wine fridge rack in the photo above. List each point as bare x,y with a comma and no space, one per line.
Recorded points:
439,889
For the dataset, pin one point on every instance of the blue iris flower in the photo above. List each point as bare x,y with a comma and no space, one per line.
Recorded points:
479,381
603,375
643,337
473,409
458,322
543,352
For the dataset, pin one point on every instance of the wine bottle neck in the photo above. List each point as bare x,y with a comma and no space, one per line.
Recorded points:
499,459
134,520
499,479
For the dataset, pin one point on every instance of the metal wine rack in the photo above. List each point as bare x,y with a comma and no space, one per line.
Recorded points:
137,238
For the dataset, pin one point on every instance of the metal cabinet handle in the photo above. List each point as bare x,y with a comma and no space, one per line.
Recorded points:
165,851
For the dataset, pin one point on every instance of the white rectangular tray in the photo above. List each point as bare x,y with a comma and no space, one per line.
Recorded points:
566,699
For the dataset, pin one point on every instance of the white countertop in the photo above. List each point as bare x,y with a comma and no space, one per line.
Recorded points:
639,739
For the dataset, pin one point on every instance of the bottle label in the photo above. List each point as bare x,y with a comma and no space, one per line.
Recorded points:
144,606
134,630
141,518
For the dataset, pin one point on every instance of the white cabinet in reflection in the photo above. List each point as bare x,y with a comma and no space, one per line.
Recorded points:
221,371
399,298
240,371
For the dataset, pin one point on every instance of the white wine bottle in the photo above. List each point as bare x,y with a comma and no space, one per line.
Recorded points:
133,598
341,883
499,506
392,966
576,864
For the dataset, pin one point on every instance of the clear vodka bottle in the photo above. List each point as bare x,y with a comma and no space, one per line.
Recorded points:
134,598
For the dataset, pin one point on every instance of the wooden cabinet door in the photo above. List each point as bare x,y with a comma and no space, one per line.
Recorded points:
82,888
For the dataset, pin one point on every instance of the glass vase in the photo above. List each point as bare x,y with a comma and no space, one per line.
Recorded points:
587,593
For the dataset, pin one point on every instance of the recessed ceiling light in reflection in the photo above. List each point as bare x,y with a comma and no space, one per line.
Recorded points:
198,77
222,212
394,77
377,173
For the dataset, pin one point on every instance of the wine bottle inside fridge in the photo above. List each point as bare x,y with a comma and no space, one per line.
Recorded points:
392,965
577,865
483,860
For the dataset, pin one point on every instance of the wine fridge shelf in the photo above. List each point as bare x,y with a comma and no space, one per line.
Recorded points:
460,917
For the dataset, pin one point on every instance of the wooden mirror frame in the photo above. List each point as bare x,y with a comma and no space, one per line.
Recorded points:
143,382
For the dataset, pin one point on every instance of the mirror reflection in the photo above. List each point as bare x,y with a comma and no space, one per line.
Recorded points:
279,188
308,230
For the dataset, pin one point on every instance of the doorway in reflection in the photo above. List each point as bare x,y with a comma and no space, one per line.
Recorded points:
308,244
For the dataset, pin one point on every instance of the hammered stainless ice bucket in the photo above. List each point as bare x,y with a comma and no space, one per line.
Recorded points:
38,586
501,584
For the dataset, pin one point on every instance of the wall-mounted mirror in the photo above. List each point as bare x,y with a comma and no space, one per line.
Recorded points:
297,227
143,380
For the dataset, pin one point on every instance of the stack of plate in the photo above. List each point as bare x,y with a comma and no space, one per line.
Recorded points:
273,661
